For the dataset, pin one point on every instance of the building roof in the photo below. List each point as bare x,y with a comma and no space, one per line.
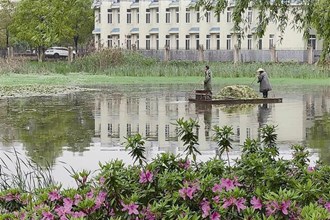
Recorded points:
174,30
215,30
194,30
115,31
154,31
134,31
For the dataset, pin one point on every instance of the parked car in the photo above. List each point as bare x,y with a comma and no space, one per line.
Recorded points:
57,52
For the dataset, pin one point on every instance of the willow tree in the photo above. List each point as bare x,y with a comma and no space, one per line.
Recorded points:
302,15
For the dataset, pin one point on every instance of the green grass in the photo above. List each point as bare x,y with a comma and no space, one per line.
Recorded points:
88,79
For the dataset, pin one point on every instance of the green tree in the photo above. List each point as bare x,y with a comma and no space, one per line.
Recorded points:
6,13
38,23
303,16
80,21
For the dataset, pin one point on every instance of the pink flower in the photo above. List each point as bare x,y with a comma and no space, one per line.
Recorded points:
79,214
146,177
256,203
47,216
53,196
188,191
327,206
185,165
216,199
216,188
67,203
271,208
132,208
227,183
206,208
102,180
311,169
228,202
77,199
100,198
240,204
182,193
284,207
90,194
148,214
215,216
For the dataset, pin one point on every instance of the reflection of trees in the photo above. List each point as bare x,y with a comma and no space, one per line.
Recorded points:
45,125
319,136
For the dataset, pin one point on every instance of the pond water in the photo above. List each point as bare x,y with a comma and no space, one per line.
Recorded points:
81,129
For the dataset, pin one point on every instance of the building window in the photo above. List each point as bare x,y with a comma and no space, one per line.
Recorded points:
271,41
208,42
197,41
249,41
167,41
260,44
208,16
157,15
312,41
198,16
228,15
109,41
118,16
177,41
177,15
129,16
187,15
249,17
128,42
147,16
228,42
218,41
109,16
157,42
239,41
148,42
137,42
137,16
187,42
167,16
218,17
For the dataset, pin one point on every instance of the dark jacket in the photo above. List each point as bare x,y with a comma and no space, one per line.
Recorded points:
264,82
208,80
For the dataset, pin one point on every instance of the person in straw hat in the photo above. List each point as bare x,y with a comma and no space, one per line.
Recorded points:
264,82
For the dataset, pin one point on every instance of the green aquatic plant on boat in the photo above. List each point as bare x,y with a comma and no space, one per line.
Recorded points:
236,92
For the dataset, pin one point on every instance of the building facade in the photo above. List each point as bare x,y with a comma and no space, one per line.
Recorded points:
175,25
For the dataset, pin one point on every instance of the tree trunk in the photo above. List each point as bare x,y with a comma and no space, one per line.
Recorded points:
75,40
40,53
7,38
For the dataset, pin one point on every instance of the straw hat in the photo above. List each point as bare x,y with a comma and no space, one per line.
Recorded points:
260,70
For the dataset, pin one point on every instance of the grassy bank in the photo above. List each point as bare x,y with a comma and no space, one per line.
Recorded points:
77,79
118,63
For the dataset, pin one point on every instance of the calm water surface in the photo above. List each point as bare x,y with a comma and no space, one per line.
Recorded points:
81,129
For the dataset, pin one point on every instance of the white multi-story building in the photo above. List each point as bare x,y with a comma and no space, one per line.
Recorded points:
176,25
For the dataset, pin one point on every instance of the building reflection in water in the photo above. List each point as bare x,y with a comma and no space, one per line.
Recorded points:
118,116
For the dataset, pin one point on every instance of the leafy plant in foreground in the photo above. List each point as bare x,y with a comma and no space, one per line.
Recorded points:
135,144
222,137
189,138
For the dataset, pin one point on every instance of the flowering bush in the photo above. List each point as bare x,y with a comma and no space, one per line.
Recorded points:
258,186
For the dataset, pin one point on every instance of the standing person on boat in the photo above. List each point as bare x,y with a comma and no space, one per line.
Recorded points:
264,82
208,79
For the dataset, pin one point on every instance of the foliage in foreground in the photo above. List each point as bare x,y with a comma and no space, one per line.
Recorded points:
260,185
